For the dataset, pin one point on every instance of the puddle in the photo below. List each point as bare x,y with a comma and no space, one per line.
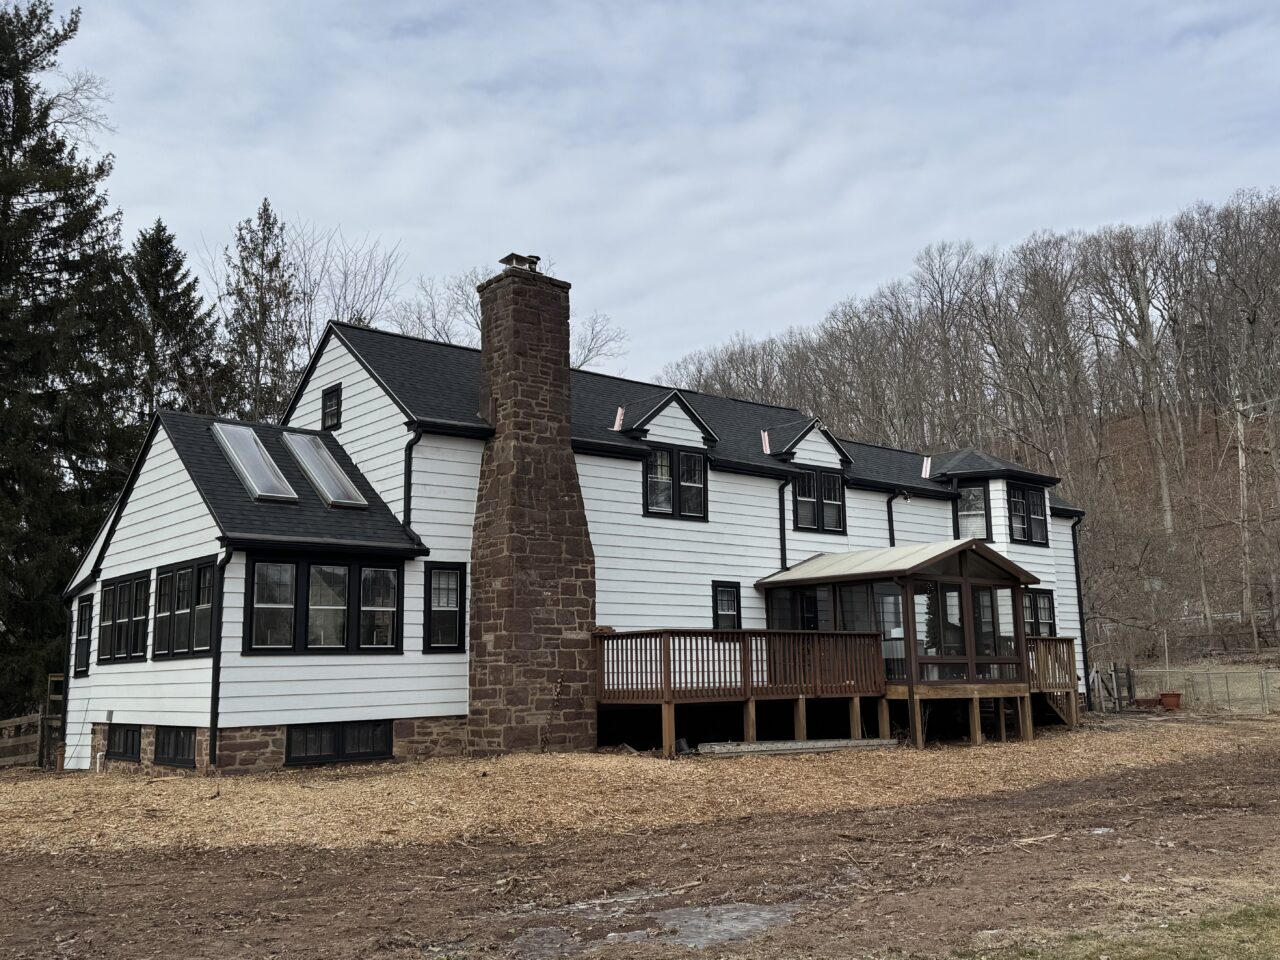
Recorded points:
684,926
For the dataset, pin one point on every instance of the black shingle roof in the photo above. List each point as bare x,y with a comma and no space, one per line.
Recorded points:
309,521
438,384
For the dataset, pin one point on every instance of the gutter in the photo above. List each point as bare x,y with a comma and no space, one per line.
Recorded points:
216,669
1084,645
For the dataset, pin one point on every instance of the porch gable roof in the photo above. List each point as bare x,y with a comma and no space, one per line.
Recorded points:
901,561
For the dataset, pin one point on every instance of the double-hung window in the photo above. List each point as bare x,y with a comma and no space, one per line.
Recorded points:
331,407
184,609
675,483
726,604
818,501
1038,615
1028,522
445,589
325,605
973,512
122,630
84,633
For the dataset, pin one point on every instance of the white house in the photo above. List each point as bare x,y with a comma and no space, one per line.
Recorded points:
444,549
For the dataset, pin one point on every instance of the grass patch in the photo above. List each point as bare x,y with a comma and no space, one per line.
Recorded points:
1249,934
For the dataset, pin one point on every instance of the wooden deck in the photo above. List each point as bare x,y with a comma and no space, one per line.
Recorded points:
669,667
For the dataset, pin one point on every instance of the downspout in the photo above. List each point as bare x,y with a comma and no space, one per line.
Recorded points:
407,509
782,520
216,668
888,508
1084,646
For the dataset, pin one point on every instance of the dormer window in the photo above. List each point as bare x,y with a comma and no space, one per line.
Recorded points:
973,512
818,501
1028,521
675,483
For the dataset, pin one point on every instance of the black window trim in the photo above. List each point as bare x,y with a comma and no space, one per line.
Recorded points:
461,570
114,585
124,728
340,755
1025,489
820,524
301,564
1033,594
716,587
986,503
677,511
329,391
170,760
84,636
172,570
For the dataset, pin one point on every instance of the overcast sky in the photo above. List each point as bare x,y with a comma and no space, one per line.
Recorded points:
694,169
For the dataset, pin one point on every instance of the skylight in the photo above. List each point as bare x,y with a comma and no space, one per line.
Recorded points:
257,471
334,486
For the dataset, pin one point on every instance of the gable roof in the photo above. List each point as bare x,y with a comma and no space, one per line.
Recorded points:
640,413
436,385
308,522
889,562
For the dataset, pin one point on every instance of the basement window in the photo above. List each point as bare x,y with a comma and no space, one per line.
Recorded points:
337,742
176,746
124,741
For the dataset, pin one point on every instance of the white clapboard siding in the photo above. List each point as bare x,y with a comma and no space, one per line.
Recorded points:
656,572
922,520
815,450
1065,597
1034,559
372,432
291,688
165,521
446,476
673,425
868,519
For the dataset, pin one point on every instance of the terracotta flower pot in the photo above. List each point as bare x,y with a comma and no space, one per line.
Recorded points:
1171,701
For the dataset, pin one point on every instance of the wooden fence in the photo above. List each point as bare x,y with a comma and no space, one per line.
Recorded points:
20,740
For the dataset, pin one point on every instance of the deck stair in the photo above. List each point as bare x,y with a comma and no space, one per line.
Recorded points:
771,747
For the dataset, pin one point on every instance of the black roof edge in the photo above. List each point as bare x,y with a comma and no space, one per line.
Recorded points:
1004,473
248,541
886,486
1065,511
752,469
453,428
625,451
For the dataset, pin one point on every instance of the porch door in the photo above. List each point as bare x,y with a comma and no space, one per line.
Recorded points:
941,649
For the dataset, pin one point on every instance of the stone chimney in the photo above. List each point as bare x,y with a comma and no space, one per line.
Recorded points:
532,567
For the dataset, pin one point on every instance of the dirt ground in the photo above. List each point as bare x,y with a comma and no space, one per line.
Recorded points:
969,850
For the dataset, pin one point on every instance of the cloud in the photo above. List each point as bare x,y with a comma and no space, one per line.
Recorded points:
694,169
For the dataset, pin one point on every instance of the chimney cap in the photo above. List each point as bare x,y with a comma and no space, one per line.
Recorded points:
523,261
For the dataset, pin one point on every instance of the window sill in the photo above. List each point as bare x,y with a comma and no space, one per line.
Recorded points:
658,515
826,533
80,672
1040,544
191,655
320,651
139,658
436,651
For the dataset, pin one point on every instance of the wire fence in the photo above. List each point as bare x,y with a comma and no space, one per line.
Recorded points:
1213,691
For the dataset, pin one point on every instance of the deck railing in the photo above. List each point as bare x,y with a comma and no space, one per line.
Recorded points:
654,666
1052,662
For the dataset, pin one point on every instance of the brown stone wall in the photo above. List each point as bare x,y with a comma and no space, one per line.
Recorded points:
532,566
423,737
244,749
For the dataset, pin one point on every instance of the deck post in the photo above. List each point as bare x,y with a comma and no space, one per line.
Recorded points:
669,729
855,718
917,723
1004,734
749,720
882,715
975,721
1026,726
800,724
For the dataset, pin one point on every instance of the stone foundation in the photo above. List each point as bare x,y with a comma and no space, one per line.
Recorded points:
424,737
146,762
245,749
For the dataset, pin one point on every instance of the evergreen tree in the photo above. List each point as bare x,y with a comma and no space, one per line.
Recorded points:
177,336
260,305
68,437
